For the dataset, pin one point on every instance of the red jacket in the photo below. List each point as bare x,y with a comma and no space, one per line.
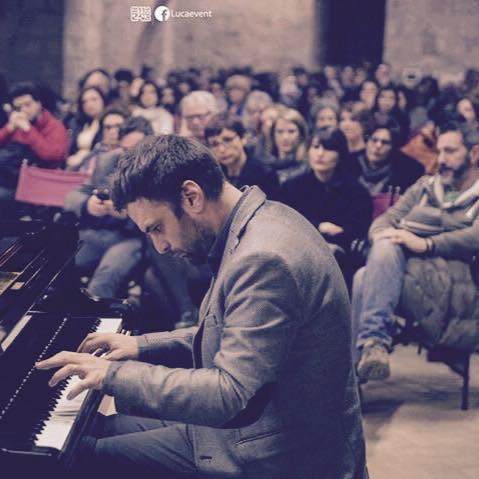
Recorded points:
47,138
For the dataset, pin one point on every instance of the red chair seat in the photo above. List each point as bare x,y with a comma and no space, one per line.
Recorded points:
40,186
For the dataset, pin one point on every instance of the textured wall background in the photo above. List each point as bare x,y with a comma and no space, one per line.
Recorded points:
440,36
267,34
31,35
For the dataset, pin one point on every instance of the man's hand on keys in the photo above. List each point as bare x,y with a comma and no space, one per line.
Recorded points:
116,346
90,369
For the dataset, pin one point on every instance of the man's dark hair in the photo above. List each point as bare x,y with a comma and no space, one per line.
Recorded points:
221,122
24,88
157,168
470,136
136,123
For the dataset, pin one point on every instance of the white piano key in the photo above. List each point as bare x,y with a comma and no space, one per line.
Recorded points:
58,426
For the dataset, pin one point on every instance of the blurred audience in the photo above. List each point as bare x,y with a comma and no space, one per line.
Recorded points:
376,133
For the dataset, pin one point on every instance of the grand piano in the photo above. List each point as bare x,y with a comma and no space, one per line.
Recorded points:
42,312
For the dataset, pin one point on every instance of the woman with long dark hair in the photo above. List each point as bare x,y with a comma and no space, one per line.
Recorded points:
149,107
85,127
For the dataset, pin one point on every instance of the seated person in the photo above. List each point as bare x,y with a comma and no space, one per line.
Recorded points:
264,387
149,107
434,225
31,133
196,110
256,103
289,135
111,122
85,126
225,136
327,196
111,248
382,167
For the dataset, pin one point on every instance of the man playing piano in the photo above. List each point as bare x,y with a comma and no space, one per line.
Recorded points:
264,386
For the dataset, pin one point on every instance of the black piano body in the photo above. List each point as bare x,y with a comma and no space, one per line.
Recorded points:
42,312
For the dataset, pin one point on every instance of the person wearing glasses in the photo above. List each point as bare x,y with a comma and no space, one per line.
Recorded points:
225,135
197,108
111,122
382,166
32,133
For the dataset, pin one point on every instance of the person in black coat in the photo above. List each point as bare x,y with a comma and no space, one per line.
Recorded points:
225,136
381,167
329,197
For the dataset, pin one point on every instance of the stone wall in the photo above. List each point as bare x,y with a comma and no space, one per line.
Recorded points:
439,36
273,34
31,33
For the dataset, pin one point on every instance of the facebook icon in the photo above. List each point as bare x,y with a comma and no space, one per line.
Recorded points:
162,13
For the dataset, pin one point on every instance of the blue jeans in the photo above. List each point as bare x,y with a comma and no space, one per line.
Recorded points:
376,293
110,257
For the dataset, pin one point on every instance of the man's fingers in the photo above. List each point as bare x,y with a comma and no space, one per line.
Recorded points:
77,389
114,355
63,373
92,343
82,344
59,360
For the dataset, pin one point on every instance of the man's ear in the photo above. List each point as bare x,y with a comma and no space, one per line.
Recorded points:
192,197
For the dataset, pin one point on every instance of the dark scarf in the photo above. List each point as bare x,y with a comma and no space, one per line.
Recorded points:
374,179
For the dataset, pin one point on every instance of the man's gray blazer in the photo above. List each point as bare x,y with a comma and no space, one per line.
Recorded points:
266,382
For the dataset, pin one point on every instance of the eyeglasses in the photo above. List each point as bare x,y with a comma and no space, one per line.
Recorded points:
199,116
382,141
225,141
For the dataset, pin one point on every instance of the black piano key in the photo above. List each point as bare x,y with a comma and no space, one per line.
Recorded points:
33,400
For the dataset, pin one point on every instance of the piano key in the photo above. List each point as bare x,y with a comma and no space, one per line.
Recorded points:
62,417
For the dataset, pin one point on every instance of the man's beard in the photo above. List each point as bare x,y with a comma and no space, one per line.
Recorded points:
199,246
457,172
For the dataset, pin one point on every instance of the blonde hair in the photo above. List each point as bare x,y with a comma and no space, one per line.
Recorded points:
295,117
266,139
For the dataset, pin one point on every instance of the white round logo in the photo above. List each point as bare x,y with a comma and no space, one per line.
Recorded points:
162,13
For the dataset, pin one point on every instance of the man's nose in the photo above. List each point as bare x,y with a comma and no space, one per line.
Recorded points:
161,245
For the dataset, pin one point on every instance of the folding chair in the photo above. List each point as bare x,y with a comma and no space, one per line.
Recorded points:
45,187
41,186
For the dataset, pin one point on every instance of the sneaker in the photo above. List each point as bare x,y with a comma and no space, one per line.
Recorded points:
374,362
